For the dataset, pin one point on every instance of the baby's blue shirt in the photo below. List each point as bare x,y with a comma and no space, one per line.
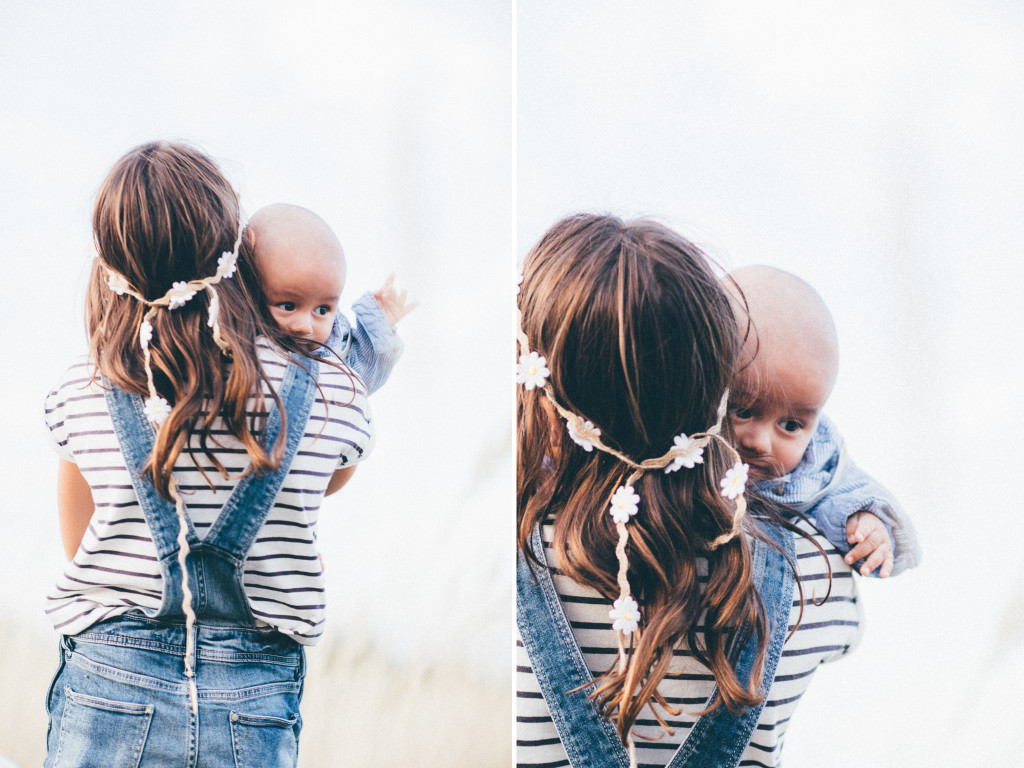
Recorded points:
371,348
828,488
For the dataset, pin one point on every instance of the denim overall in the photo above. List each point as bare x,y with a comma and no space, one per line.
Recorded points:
120,697
717,739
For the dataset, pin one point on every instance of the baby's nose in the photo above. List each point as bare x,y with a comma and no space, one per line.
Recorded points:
754,439
300,326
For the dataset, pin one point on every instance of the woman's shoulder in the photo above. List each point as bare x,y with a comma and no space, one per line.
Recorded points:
340,415
330,375
80,381
80,372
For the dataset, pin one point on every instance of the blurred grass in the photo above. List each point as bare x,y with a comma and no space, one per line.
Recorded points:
358,709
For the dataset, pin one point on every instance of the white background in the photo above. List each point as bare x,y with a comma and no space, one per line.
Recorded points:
875,149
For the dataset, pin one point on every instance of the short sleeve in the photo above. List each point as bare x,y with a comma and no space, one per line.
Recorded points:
74,381
342,416
362,434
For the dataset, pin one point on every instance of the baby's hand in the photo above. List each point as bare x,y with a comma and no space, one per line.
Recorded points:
393,304
870,540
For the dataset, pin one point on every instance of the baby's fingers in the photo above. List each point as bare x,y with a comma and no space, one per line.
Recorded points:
887,565
407,306
865,547
860,526
387,283
881,557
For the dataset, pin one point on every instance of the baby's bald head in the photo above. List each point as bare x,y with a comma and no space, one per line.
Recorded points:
280,223
791,358
790,322
301,267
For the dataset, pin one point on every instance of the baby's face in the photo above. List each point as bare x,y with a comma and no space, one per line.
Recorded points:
302,281
774,407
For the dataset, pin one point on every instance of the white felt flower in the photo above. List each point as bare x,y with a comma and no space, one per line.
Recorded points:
179,294
735,480
145,334
226,264
156,409
118,283
625,503
519,283
625,615
694,455
532,371
584,438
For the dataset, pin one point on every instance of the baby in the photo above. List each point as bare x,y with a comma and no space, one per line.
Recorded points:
794,453
302,273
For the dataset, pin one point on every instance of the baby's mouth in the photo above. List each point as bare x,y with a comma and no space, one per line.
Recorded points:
760,468
306,342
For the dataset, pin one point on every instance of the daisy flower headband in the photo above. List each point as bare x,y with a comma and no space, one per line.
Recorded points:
687,451
157,409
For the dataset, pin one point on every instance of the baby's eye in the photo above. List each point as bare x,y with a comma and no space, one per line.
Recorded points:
323,310
791,425
287,306
741,413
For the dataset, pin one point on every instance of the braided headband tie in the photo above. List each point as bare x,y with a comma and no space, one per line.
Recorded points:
157,409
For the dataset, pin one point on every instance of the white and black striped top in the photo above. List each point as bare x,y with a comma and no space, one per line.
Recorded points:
116,567
826,632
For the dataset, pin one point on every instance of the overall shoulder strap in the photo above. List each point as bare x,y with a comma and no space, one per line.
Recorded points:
249,504
590,740
719,738
135,435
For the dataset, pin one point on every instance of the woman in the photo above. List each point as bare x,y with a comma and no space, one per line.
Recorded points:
630,499
194,456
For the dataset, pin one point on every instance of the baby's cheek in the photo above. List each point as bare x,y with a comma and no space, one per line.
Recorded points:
323,331
795,454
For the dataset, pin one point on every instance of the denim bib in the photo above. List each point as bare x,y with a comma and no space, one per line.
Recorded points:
717,739
216,563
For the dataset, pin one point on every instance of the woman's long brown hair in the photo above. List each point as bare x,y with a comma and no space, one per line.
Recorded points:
641,340
165,213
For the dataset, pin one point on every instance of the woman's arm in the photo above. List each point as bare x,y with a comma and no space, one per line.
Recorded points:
338,479
74,504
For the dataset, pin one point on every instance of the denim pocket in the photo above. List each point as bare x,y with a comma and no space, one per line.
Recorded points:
264,741
100,733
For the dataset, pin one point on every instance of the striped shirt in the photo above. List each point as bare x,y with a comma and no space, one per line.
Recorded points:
826,632
116,567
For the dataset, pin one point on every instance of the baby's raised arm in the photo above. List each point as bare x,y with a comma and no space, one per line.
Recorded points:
860,514
371,347
393,304
855,512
